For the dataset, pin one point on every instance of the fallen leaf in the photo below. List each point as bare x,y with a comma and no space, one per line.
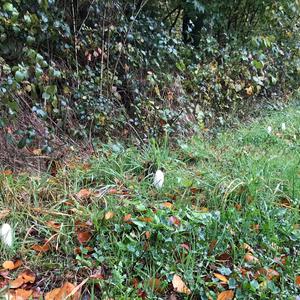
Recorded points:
10,265
16,283
28,276
212,246
179,286
251,259
167,205
52,294
41,248
65,290
21,294
6,172
221,277
135,282
78,250
269,273
54,225
83,236
109,215
37,152
127,218
148,235
226,295
155,284
174,221
297,280
84,194
145,219
4,213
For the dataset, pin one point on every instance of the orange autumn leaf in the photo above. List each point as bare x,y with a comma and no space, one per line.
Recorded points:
41,248
297,280
127,218
251,259
226,295
167,205
6,172
148,235
28,276
10,265
221,277
16,283
84,194
83,236
22,294
65,292
179,286
109,215
145,219
52,294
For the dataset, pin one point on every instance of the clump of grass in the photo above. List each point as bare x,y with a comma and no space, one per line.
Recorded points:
242,188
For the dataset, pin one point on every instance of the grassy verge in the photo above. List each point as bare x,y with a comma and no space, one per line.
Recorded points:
226,219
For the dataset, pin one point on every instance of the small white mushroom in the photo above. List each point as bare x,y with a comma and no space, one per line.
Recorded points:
158,180
6,234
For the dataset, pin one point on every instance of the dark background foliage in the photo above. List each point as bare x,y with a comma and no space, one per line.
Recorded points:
111,68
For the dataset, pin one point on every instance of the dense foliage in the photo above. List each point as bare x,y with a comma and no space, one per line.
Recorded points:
101,67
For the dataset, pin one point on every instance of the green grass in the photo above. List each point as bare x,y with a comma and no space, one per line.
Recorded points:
241,187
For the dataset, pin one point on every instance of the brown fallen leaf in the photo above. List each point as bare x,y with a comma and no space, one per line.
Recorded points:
10,265
145,219
155,284
148,235
269,273
109,215
167,205
251,259
127,218
52,294
28,276
83,236
54,225
226,295
297,280
179,286
4,213
84,194
221,277
16,283
41,248
6,172
21,294
65,292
